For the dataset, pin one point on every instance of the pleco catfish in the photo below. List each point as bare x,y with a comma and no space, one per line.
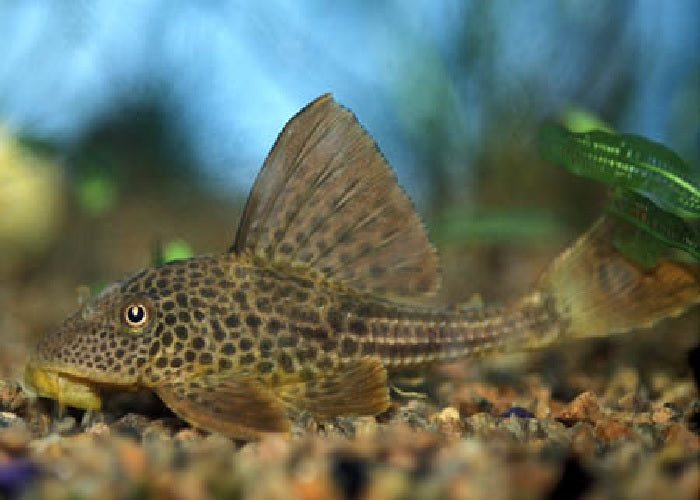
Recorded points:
322,292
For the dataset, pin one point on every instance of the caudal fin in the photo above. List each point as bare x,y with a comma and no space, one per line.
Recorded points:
596,291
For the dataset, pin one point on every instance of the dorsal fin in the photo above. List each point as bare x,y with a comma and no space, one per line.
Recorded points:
327,199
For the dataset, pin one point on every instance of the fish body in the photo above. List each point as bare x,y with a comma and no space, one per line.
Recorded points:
324,291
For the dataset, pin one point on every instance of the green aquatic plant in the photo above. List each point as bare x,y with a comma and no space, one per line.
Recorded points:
96,193
173,250
578,119
664,227
177,249
627,161
491,226
654,190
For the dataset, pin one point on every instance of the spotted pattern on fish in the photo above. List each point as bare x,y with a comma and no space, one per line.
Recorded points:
322,292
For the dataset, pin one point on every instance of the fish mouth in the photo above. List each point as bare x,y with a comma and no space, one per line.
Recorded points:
67,388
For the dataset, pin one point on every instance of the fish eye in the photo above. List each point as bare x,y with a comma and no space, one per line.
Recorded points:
135,315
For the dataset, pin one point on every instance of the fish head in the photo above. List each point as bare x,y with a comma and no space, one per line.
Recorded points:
104,343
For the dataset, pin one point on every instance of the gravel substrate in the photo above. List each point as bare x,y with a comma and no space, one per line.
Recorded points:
491,434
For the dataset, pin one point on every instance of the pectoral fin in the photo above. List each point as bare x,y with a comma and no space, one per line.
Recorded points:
243,408
238,407
357,388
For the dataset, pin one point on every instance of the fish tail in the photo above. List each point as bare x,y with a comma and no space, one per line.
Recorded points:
594,291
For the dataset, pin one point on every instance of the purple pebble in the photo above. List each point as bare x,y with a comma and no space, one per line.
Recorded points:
16,474
518,411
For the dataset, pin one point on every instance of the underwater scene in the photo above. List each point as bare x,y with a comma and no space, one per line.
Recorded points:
397,250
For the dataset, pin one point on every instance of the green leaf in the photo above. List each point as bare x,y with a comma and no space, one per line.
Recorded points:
578,119
96,194
157,257
173,250
640,247
176,249
494,227
662,226
626,161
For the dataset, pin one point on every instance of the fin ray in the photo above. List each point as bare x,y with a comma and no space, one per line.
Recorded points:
357,388
236,406
598,291
326,199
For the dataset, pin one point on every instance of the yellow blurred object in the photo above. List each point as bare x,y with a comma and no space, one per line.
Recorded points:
31,203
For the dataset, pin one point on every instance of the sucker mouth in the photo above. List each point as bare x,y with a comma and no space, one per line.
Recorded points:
67,388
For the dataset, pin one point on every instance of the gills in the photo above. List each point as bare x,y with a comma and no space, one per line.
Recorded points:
324,290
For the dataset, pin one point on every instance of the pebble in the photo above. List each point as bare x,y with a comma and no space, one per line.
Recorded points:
554,432
8,419
583,440
15,440
365,427
611,430
624,381
662,415
15,476
415,413
483,438
131,425
132,459
584,407
448,421
12,397
65,425
517,411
